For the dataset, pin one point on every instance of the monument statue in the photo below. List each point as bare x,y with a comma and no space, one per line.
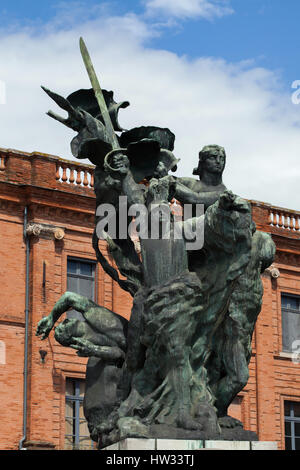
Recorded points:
209,187
174,368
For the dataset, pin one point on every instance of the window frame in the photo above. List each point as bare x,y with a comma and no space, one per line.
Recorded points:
291,419
282,310
77,400
83,276
94,278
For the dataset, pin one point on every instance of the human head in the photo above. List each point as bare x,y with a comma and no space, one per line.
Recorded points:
212,158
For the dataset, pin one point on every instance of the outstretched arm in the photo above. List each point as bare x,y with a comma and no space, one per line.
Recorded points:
187,195
86,348
68,300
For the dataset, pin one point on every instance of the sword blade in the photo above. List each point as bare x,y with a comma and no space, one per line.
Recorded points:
99,95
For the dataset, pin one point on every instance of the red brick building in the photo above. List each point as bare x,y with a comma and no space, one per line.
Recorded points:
53,201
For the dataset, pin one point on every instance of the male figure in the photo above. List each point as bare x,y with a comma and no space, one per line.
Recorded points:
232,343
102,334
159,269
207,189
102,338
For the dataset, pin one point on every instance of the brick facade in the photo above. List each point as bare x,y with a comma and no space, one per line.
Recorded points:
60,200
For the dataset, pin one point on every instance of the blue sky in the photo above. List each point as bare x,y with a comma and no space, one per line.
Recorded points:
265,31
213,71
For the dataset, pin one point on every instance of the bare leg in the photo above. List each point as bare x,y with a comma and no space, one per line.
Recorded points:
235,380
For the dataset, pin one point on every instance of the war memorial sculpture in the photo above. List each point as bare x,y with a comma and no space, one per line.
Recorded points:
174,368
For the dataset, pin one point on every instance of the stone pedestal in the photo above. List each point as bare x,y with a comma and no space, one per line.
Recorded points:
133,444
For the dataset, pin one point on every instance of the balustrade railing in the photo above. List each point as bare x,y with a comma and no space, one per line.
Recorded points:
3,159
288,220
75,174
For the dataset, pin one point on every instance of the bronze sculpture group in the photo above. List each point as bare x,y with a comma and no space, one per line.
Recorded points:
173,369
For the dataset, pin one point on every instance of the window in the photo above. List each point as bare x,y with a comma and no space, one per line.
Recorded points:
80,279
290,313
76,430
292,425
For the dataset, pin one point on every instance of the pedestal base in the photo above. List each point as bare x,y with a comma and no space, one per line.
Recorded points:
133,444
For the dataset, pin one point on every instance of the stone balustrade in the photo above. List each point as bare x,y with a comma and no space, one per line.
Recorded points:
79,175
3,159
276,220
46,171
288,220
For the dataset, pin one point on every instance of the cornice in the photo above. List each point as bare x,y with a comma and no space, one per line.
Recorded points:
288,258
9,205
46,208
31,191
67,215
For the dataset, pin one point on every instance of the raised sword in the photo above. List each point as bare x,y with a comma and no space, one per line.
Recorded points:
99,95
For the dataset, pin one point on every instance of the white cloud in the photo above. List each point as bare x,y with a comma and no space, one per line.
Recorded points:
202,101
207,9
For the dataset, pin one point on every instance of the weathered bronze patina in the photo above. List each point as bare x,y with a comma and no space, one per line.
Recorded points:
174,368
